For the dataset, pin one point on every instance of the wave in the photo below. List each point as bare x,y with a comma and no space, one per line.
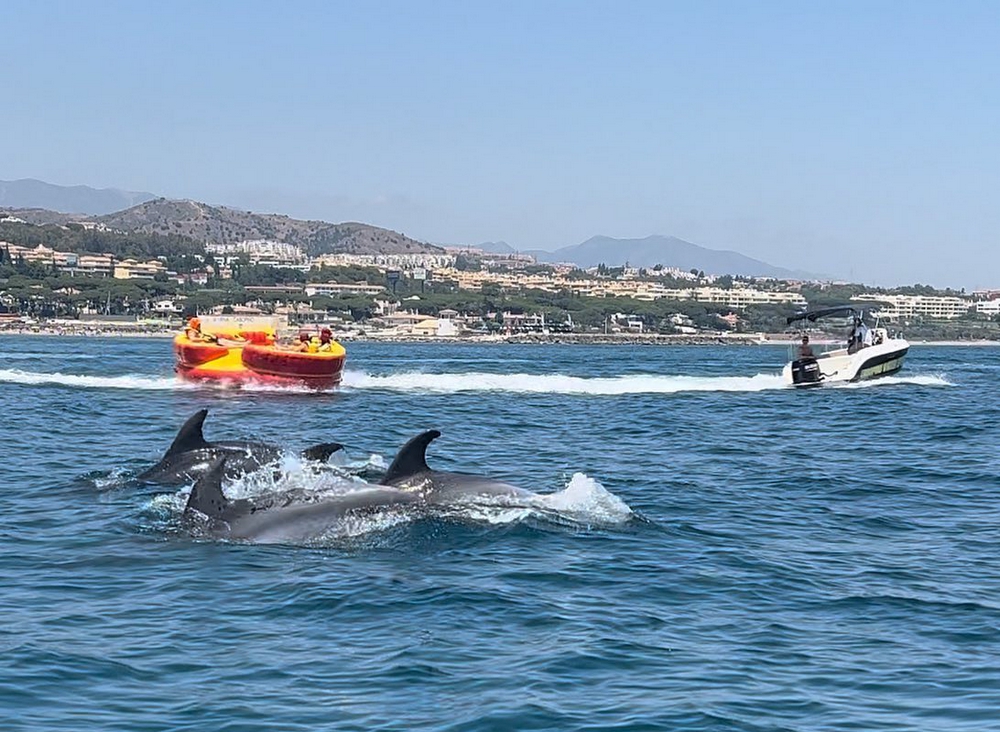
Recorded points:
560,383
126,381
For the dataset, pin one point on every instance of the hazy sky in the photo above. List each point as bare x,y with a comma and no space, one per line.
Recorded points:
852,138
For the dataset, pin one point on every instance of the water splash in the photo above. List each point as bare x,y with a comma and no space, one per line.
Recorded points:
584,502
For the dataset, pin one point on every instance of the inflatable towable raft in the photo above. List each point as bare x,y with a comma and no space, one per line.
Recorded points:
244,355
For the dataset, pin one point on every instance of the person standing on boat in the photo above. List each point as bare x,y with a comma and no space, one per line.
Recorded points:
867,336
854,341
805,350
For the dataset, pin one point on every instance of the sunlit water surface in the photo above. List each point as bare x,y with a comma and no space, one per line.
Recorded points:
715,552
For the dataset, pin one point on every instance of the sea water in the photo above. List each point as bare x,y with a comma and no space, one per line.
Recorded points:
711,549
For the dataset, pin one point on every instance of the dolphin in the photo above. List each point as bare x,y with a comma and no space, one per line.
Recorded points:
270,523
190,455
409,472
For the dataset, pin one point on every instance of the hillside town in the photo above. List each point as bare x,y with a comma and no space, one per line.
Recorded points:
446,292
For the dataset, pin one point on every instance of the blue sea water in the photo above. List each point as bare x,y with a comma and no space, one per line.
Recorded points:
715,552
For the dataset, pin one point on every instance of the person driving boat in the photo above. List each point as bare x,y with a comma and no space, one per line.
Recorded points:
805,350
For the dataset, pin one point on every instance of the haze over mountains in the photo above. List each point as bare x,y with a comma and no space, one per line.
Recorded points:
136,211
652,250
31,193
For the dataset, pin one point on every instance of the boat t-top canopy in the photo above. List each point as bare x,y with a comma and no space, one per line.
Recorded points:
813,315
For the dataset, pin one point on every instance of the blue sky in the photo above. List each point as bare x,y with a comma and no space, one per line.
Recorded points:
854,138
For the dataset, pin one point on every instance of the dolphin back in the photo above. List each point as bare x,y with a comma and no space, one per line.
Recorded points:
411,458
321,452
206,495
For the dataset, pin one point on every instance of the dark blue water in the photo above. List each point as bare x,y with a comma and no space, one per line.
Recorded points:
823,560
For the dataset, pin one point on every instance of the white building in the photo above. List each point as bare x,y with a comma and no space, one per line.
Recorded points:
260,251
333,289
423,260
933,307
988,308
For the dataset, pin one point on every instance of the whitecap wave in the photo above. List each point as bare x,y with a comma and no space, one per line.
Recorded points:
560,383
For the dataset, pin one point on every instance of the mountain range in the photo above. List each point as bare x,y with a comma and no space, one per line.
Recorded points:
31,193
652,250
223,225
38,202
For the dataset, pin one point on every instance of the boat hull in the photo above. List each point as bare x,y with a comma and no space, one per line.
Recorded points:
254,362
872,362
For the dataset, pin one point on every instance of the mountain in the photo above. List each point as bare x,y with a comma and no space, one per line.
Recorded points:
666,250
30,193
222,225
496,247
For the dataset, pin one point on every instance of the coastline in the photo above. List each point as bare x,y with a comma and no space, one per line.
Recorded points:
120,330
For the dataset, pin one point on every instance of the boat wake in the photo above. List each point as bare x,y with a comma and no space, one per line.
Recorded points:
559,383
139,383
126,381
413,381
914,380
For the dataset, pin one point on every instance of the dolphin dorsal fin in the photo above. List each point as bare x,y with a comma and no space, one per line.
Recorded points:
206,495
412,457
189,436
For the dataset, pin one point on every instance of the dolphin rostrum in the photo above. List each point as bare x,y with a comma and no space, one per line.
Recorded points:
269,522
409,472
190,455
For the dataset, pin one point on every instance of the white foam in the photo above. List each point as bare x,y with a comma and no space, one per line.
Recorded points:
915,379
583,502
560,383
126,381
587,498
139,383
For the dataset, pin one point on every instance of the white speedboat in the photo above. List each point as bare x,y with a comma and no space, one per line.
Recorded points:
870,353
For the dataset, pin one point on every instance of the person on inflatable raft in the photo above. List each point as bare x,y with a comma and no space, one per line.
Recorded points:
306,344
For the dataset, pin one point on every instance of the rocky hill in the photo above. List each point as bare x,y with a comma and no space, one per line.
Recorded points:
222,225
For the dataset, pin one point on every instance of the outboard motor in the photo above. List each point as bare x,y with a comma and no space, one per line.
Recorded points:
805,372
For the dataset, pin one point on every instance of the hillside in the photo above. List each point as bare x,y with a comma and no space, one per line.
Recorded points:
31,193
666,250
222,225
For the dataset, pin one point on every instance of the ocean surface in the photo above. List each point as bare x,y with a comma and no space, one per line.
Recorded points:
712,551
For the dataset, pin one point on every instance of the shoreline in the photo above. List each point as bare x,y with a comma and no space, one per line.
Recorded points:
623,339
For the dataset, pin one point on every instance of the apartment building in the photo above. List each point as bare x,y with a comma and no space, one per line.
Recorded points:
933,307
417,260
131,269
260,251
101,265
334,289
